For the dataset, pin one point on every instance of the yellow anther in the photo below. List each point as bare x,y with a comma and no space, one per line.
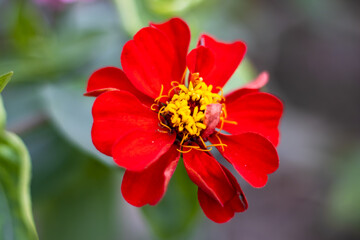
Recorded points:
183,88
200,125
191,87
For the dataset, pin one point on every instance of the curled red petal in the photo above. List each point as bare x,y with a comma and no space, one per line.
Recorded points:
116,113
255,112
208,175
227,58
252,87
149,186
239,204
252,155
150,61
218,213
201,60
138,149
178,33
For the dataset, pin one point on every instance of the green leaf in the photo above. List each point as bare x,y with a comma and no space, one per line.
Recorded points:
4,79
71,113
81,203
176,213
18,223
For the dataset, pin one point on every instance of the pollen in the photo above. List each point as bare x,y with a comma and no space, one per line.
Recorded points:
187,107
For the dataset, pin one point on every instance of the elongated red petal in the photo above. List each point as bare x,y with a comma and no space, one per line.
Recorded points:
178,33
255,112
251,87
116,113
252,155
208,174
150,61
109,79
138,149
149,186
201,60
227,58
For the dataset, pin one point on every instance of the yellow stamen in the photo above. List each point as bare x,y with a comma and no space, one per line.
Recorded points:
220,143
160,121
204,150
221,93
184,151
152,108
230,122
183,76
160,96
185,111
202,141
183,139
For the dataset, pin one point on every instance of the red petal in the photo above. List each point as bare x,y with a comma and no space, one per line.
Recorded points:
138,149
213,210
201,60
252,155
150,60
227,58
116,113
255,112
178,33
240,203
220,214
208,174
251,87
149,185
109,79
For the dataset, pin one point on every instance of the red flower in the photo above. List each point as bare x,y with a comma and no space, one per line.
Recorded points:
147,115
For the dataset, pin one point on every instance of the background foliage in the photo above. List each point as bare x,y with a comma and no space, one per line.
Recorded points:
312,51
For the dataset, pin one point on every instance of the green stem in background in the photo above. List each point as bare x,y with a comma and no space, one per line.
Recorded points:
15,179
16,219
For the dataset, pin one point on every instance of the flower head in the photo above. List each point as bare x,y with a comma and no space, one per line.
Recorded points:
168,103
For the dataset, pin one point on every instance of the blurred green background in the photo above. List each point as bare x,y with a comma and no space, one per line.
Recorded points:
311,49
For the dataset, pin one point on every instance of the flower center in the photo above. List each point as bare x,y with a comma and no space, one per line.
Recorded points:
187,107
193,111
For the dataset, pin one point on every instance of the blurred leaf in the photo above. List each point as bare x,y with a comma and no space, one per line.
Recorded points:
73,194
26,25
71,113
23,105
4,79
344,207
14,181
51,57
81,202
176,213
